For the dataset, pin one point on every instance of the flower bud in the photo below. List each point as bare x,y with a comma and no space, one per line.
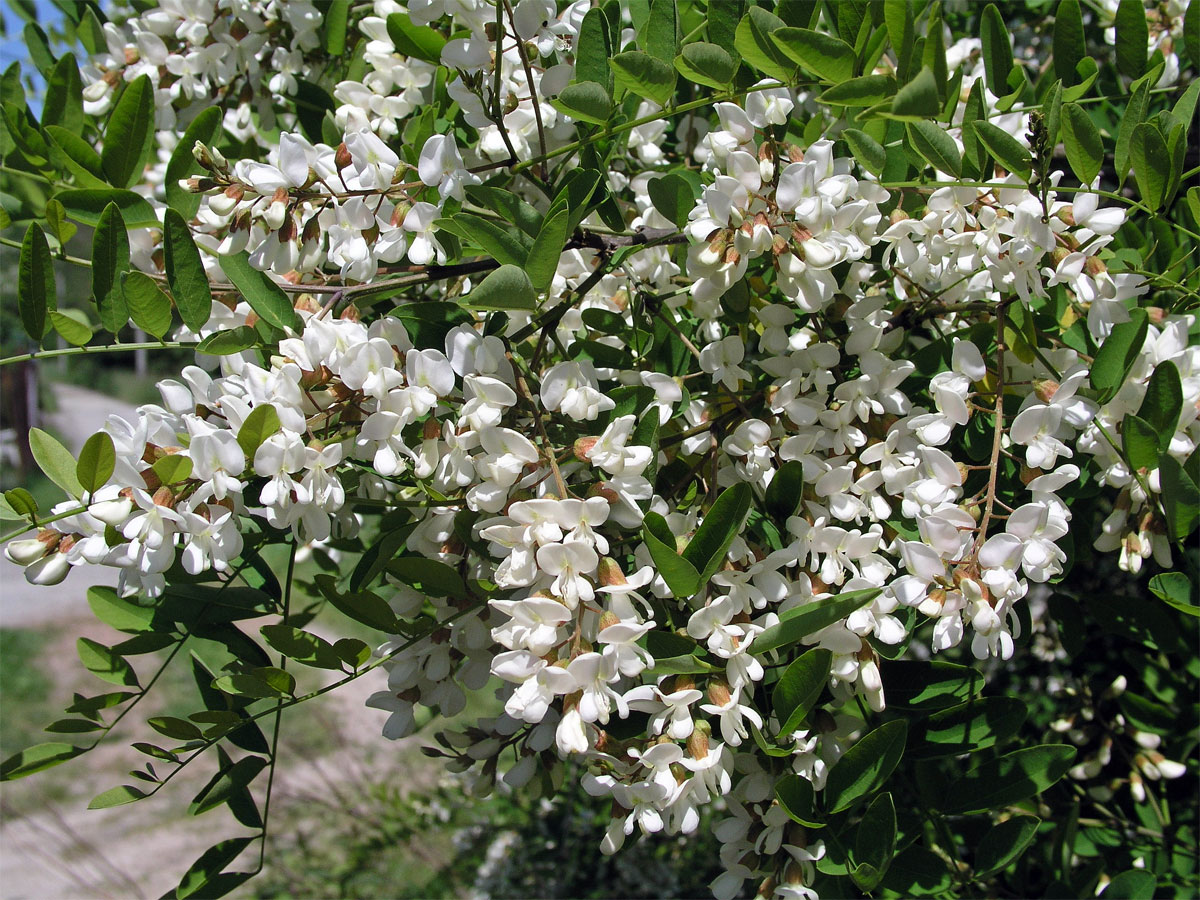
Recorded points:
697,742
164,497
583,446
1094,265
608,619
718,692
342,158
609,573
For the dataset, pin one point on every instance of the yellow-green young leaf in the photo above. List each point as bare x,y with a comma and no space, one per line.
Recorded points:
1132,36
104,664
97,460
997,50
205,128
935,145
586,101
869,153
185,272
5,218
918,99
35,283
1081,137
706,64
827,57
865,91
173,468
1069,44
262,422
506,288
542,262
55,461
68,324
110,260
1004,148
752,40
37,758
264,296
117,796
1151,164
644,75
129,135
148,306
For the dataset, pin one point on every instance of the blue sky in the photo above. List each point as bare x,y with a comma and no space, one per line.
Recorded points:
12,47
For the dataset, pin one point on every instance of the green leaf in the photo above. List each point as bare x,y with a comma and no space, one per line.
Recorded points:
544,255
644,75
1133,35
680,575
1052,105
935,145
586,101
36,759
429,576
502,244
865,767
1134,115
63,105
206,872
36,293
86,206
104,664
672,196
418,41
829,58
675,654
508,287
129,135
918,99
869,153
1003,844
67,323
60,229
185,272
367,608
1069,44
1008,779
997,50
975,725
1140,442
264,296
55,461
117,796
1117,355
707,64
898,16
752,40
875,842
173,468
799,687
204,129
1004,148
243,685
864,91
783,494
73,154
1180,497
1085,150
302,646
1151,164
708,546
21,502
798,801
662,31
148,306
1132,884
1175,589
262,422
119,612
928,684
224,343
592,50
799,622
97,460
333,27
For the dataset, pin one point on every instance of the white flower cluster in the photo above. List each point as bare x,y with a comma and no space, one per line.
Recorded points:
890,358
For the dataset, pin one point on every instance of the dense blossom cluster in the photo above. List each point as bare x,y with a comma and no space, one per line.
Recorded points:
842,296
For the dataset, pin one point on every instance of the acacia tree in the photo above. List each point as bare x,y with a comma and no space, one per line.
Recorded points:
725,387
